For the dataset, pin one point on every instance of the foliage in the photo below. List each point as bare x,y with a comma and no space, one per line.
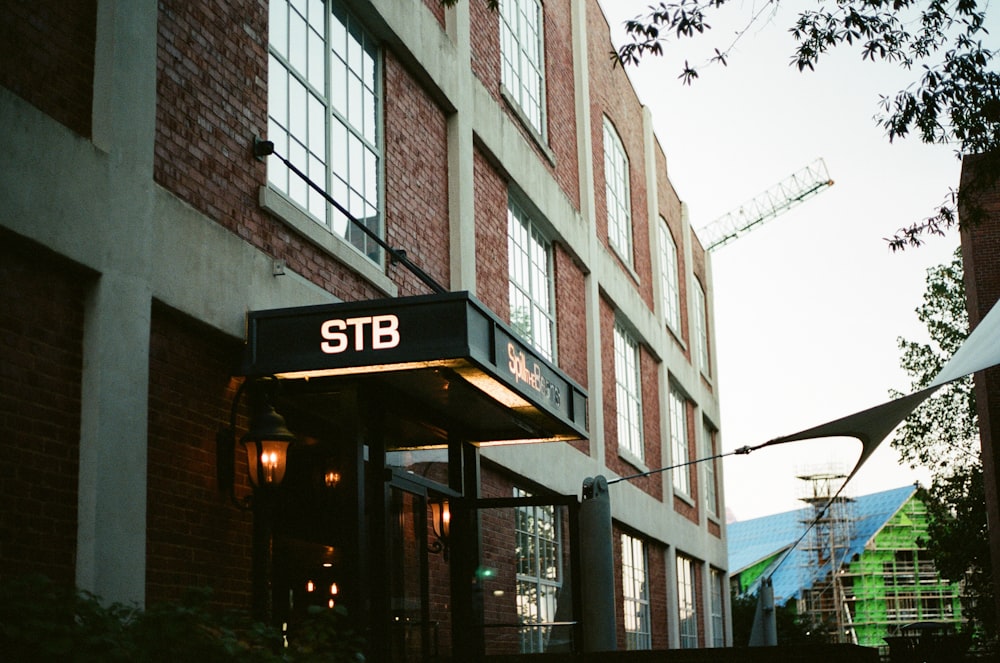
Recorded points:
942,435
790,627
42,621
954,99
958,541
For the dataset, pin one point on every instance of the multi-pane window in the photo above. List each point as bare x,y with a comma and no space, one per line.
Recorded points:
711,487
670,281
529,257
616,185
635,587
324,104
701,329
717,608
677,406
539,571
687,610
522,71
628,394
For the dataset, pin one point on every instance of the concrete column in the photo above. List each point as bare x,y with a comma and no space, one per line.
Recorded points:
461,163
111,527
111,530
581,73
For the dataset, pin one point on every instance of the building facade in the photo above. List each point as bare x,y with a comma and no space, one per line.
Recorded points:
495,150
862,572
980,245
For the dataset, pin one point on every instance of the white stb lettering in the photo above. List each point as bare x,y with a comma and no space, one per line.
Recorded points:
336,341
336,338
385,332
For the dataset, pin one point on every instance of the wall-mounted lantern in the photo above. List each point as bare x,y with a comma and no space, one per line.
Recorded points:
441,527
266,442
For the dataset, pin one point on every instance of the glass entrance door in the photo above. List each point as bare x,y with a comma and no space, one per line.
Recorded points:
417,578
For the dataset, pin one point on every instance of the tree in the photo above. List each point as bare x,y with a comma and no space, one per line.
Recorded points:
942,436
955,98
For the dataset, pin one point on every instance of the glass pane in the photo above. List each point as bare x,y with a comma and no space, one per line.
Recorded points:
278,27
277,91
297,40
317,60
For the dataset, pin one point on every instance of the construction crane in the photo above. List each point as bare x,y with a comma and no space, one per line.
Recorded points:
794,189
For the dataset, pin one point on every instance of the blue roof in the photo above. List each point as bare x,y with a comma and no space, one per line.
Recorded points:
752,541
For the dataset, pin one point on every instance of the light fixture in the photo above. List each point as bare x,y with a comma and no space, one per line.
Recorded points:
266,442
441,527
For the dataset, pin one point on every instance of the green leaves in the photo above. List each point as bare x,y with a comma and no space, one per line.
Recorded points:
954,100
41,621
942,435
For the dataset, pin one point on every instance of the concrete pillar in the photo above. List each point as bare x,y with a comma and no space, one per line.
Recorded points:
111,527
111,519
461,162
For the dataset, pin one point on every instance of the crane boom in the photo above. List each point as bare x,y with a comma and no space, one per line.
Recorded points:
781,197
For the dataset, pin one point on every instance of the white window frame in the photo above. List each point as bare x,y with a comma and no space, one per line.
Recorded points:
687,606
670,278
628,393
538,530
701,329
522,59
531,281
618,193
635,593
711,487
325,117
680,453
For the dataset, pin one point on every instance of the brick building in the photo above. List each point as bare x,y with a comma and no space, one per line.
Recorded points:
496,150
980,258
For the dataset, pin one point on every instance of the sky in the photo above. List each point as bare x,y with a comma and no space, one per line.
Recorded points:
808,307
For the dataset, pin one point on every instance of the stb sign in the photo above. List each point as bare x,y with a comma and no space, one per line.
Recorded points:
452,329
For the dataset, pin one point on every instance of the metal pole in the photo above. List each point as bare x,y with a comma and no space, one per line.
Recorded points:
765,626
597,566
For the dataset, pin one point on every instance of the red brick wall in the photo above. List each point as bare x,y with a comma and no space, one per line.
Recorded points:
571,322
683,507
560,93
47,57
485,36
41,360
212,91
437,8
658,598
416,172
491,237
571,315
612,95
195,536
981,258
649,378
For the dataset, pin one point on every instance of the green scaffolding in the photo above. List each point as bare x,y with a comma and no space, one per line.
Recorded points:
894,582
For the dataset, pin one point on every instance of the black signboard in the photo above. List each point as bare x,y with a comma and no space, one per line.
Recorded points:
408,333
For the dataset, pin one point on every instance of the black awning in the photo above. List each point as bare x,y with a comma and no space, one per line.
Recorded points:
442,364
